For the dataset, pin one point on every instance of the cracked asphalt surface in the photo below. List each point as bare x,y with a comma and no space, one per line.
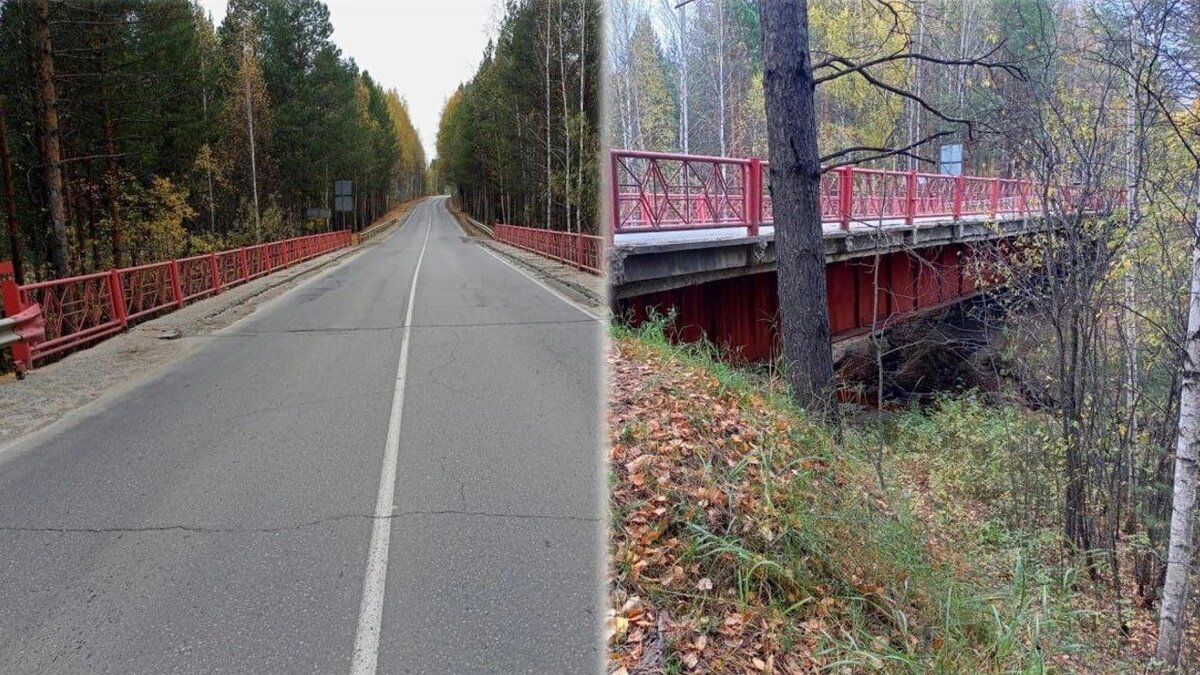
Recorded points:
217,517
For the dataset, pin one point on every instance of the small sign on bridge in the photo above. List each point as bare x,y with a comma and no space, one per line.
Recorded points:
950,161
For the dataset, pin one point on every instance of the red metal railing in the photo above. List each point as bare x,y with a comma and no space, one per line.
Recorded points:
579,250
655,191
85,309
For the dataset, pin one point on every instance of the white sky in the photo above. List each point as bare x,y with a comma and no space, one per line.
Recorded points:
422,48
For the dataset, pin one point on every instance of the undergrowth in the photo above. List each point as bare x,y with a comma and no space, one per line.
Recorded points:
745,539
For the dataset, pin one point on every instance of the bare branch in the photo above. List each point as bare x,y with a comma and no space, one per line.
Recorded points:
880,152
851,67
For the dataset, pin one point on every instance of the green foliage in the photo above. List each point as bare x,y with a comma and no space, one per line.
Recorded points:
172,92
498,129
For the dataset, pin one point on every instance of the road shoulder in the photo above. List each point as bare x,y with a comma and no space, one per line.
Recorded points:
60,389
582,288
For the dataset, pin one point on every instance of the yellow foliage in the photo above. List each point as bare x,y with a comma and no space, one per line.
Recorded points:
154,218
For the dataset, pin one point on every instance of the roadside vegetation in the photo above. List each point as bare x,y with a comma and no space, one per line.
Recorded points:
748,538
1081,451
518,143
139,131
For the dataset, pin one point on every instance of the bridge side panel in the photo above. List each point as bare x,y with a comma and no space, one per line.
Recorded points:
841,285
740,315
929,278
970,273
902,282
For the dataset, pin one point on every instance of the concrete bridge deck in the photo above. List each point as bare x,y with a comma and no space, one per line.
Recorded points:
660,260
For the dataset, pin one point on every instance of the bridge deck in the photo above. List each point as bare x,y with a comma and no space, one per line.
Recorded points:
652,261
723,235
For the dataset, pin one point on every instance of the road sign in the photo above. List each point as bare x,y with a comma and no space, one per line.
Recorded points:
343,188
343,204
316,214
951,160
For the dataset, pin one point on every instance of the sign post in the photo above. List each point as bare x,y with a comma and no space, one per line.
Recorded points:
343,198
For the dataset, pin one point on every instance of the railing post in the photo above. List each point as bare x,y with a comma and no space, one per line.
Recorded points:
176,286
212,262
846,195
910,201
614,195
994,207
10,298
754,210
116,298
960,185
244,265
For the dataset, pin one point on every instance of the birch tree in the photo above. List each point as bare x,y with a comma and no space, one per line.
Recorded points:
675,18
1183,506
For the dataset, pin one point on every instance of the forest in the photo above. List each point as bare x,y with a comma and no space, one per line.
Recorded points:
519,142
689,78
139,131
1079,441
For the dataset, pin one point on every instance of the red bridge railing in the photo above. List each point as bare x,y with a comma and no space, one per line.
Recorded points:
87,308
654,191
578,250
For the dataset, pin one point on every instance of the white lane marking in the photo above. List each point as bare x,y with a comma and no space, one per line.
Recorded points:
370,613
543,284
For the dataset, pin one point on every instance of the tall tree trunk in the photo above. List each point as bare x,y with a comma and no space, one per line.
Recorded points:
52,159
685,132
548,116
112,183
914,120
795,188
1179,553
562,85
10,203
721,77
74,223
112,178
93,229
246,56
583,12
1129,315
212,205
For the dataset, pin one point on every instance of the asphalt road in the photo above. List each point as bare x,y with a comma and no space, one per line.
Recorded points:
222,515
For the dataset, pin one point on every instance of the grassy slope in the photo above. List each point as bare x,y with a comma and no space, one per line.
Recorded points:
744,539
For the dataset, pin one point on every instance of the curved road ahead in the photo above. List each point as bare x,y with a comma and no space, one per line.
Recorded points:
394,466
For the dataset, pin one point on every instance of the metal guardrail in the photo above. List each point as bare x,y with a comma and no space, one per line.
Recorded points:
85,309
27,327
19,330
374,230
490,232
